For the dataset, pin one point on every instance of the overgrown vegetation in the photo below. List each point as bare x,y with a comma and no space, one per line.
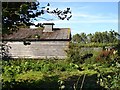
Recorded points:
79,70
37,73
105,62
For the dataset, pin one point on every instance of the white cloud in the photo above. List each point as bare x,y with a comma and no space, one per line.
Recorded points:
84,17
75,21
100,21
95,16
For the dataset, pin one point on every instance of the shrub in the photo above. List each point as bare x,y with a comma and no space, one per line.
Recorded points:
73,54
110,80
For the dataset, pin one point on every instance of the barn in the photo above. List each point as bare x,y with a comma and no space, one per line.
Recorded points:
48,42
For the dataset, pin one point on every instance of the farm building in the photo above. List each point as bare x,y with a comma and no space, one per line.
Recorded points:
38,43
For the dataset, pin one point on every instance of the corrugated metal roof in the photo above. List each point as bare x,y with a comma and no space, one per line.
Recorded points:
37,34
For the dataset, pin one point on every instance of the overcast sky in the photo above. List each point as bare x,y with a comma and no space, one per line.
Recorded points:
87,17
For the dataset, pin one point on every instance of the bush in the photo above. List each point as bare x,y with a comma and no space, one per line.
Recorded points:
73,54
110,80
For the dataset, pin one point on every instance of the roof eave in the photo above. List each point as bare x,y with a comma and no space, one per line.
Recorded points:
36,40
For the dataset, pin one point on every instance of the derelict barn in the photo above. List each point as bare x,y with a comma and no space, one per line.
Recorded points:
36,43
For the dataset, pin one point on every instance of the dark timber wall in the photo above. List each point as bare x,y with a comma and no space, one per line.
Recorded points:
38,49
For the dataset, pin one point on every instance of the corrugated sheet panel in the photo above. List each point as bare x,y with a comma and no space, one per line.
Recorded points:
26,33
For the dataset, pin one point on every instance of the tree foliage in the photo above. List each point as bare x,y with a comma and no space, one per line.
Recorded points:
97,37
15,14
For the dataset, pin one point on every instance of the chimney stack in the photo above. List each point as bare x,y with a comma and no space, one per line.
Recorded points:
48,27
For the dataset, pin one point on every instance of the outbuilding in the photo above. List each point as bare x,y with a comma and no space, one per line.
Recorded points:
48,42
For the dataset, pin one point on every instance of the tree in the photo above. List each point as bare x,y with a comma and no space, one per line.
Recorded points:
97,37
113,36
89,37
77,38
105,37
16,14
84,37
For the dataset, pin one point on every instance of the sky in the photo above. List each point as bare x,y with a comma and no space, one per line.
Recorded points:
87,17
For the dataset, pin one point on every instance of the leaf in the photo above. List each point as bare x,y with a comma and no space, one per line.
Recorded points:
24,8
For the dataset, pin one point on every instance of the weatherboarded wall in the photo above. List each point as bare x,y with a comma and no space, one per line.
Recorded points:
38,49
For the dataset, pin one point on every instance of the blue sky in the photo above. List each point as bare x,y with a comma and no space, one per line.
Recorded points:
87,17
